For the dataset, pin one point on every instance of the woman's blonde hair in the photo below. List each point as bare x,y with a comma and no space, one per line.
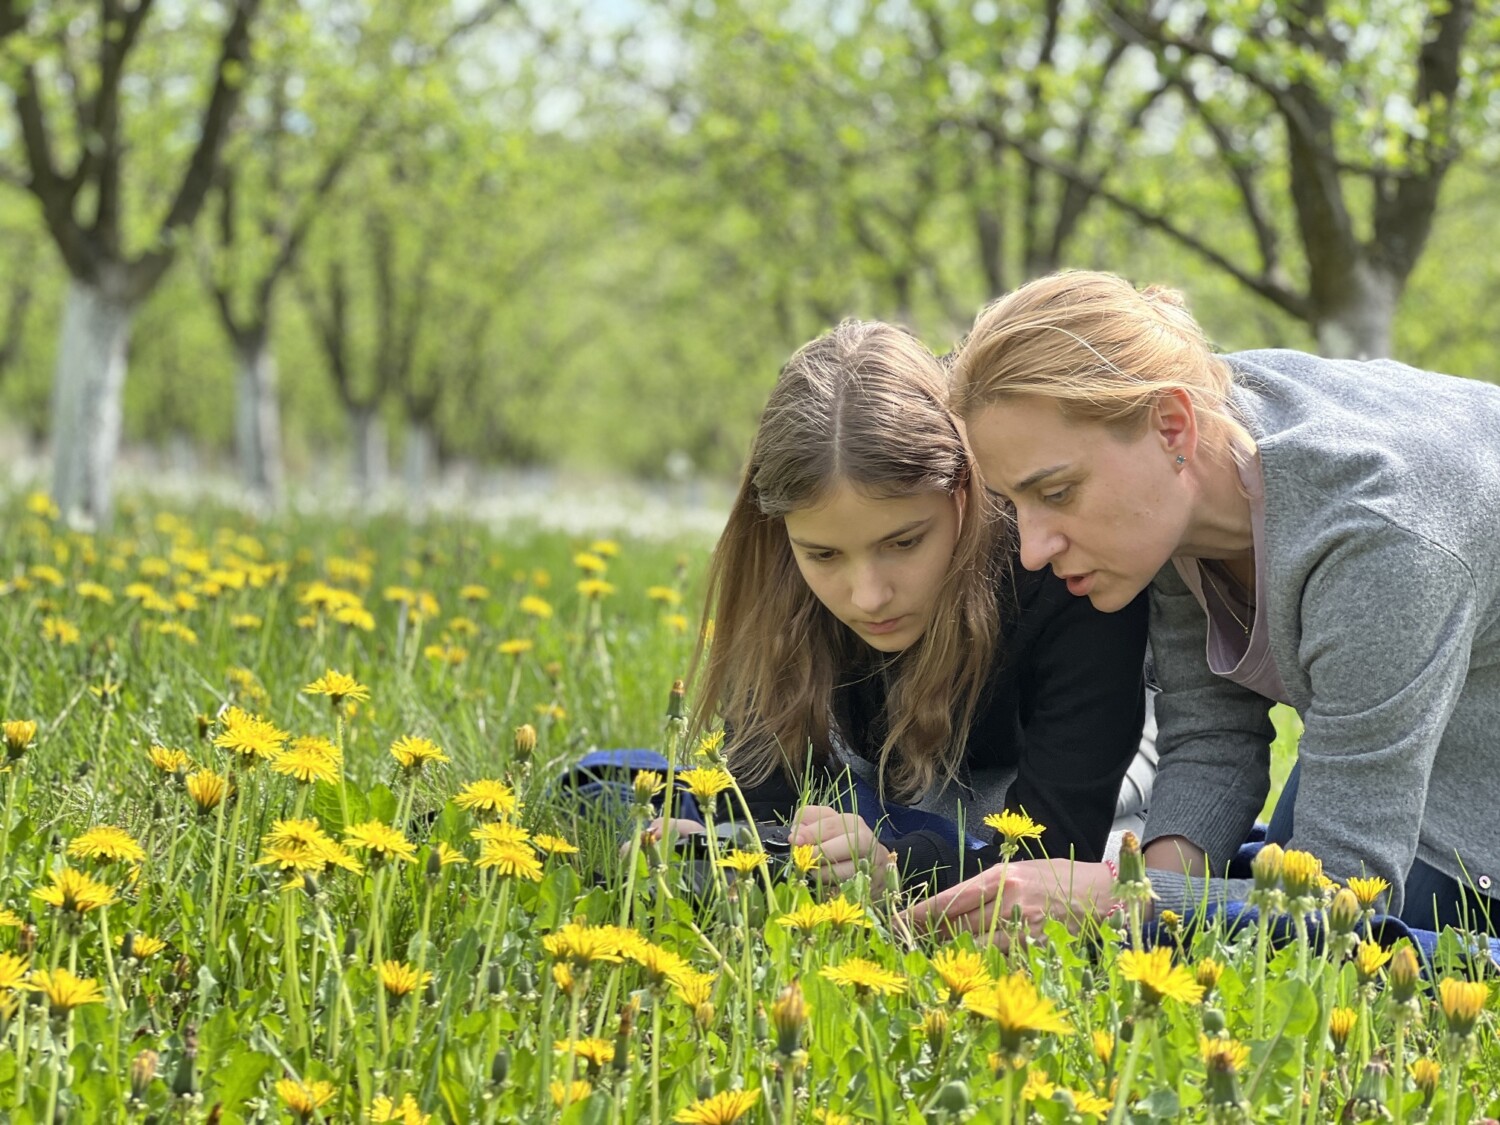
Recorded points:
1103,351
866,404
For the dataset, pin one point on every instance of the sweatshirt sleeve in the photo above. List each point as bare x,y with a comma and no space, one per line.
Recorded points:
1214,736
1388,626
1084,711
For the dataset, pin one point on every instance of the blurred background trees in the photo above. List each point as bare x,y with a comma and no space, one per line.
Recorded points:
323,237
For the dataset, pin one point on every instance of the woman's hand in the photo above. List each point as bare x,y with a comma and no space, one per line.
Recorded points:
842,840
1042,888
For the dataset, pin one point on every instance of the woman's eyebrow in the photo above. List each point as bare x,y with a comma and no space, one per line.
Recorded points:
904,529
1038,476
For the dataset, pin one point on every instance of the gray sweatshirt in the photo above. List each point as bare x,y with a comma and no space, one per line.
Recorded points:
1382,590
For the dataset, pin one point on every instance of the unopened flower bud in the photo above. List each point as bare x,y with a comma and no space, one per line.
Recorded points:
705,1087
500,1067
494,979
127,945
1425,1075
185,1081
351,942
310,885
525,741
142,1072
935,1025
19,735
434,863
1404,974
1132,860
676,705
1207,973
1214,1022
789,1016
1344,912
1266,867
762,1027
703,1015
953,1098
1341,1023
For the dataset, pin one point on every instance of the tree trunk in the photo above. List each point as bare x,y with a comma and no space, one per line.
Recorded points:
371,457
1358,324
420,458
86,397
257,421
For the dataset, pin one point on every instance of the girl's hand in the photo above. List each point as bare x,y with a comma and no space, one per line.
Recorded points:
842,840
1042,888
680,827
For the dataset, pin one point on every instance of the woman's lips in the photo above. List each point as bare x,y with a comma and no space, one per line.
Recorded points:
1080,584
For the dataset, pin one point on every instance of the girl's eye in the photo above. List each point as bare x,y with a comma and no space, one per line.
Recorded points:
820,556
906,544
1060,496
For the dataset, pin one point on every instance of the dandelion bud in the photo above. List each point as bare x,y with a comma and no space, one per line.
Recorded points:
1299,873
185,1081
953,1098
553,670
1104,1045
430,995
1132,860
1214,1022
1170,923
676,706
623,1035
705,1087
351,942
494,979
1426,1074
127,945
703,1015
309,885
1344,913
205,725
19,735
1461,1001
525,741
1266,867
935,1026
789,1015
646,785
525,978
142,1072
762,1026
1341,1023
1207,973
1404,974
500,1067
434,863
1127,1030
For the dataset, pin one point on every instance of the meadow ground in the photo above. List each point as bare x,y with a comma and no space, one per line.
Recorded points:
284,839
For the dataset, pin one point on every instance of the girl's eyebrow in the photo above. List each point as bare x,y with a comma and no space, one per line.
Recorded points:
904,529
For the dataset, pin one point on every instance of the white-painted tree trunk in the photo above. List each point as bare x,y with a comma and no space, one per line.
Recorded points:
421,454
87,394
257,423
1358,326
371,454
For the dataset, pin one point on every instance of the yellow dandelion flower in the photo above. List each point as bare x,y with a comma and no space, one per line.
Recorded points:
19,735
10,920
961,970
1223,1055
866,977
245,622
1014,827
1368,891
743,862
304,1099
412,752
1462,1001
1426,1074
509,861
1158,977
1369,959
693,988
487,796
707,783
400,979
356,617
307,761
533,606
595,1052
473,593
1090,1104
463,627
677,622
1017,1009
60,631
94,592
804,857
168,760
1300,873
206,789
574,1091
181,632
381,840
13,971
664,594
501,832
1341,1023
1104,1045
580,944
1038,1085
105,841
515,647
840,912
48,574
605,548
142,946
76,892
723,1108
595,588
590,563
63,990
711,744
406,1112
806,917
829,1117
338,686
449,855
250,736
662,966
554,845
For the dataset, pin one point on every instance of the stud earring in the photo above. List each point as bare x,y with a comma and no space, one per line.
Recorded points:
1181,460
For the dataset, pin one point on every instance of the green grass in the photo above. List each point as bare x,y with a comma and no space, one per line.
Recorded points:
259,985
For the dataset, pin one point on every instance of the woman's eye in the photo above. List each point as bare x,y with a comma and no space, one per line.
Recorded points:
1060,496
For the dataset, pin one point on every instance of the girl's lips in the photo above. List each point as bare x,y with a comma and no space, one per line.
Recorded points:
1080,584
890,625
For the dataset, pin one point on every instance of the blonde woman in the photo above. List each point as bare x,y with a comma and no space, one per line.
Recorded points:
1312,532
868,622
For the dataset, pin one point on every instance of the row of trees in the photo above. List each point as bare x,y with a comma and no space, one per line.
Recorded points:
518,230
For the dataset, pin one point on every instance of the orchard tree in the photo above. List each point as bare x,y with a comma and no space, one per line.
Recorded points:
121,129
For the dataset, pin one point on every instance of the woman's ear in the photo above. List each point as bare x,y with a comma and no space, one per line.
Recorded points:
1176,424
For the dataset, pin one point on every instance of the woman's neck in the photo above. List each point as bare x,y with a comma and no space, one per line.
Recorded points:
1220,524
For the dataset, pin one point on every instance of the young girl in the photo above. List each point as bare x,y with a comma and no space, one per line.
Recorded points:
1314,532
866,619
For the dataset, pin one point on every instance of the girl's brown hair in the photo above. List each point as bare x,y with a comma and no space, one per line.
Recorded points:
1103,351
864,404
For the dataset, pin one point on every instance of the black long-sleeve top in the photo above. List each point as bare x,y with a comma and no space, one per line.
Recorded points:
1064,708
